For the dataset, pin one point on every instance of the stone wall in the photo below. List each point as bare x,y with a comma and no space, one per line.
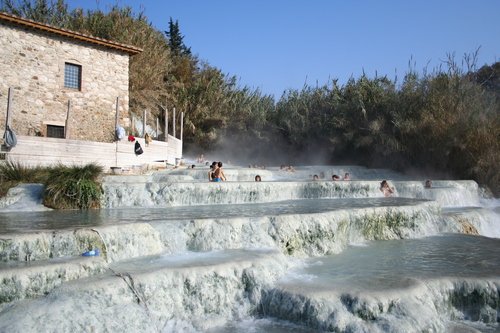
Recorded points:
33,65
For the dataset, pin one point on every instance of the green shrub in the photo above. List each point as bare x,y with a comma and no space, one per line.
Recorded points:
73,187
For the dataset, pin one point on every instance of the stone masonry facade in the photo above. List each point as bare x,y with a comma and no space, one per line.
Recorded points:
33,66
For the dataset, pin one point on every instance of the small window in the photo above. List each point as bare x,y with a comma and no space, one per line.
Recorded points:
54,131
72,76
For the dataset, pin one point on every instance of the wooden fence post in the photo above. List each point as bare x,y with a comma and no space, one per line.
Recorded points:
182,124
173,124
157,127
9,105
66,126
116,132
144,123
166,124
116,114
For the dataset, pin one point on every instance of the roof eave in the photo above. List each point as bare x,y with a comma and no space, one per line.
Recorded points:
131,50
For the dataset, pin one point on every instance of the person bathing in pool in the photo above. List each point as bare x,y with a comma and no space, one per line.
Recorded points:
211,172
386,188
219,175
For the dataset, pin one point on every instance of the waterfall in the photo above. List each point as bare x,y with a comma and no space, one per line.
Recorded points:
24,197
181,254
392,286
147,193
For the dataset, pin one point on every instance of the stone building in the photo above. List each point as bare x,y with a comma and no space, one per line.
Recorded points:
62,82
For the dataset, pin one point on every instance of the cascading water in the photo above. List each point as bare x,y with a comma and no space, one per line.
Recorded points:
398,286
180,254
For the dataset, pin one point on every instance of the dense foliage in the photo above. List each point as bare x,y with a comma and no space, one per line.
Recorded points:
445,121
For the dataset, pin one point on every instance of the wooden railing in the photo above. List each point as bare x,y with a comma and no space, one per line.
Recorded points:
43,151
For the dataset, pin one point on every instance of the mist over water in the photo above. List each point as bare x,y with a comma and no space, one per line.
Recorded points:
288,254
399,264
269,149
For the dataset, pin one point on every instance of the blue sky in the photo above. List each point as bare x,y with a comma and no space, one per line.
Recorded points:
274,45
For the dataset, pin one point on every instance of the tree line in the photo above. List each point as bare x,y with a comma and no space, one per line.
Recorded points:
444,120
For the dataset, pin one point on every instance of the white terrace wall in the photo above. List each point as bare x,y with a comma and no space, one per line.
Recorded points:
40,151
32,64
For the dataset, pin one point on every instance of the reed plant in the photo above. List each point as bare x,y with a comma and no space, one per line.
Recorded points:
74,187
18,172
13,173
443,122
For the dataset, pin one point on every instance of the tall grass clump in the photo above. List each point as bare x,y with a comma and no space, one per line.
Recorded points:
13,173
18,172
75,187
